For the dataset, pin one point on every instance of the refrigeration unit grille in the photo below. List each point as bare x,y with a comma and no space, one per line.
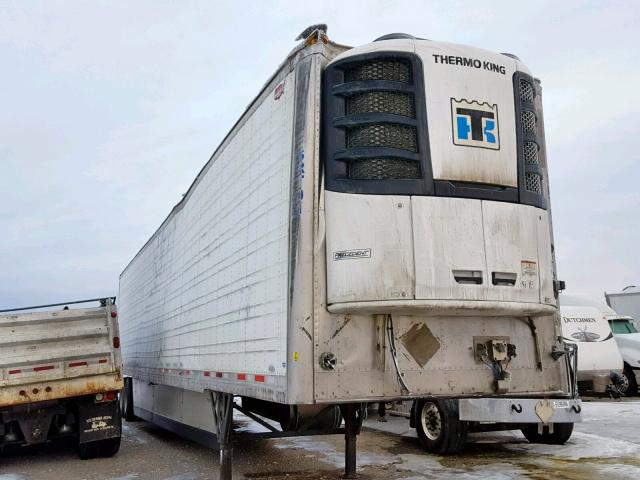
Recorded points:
393,70
383,135
386,133
375,116
394,103
528,121
383,169
530,153
530,164
526,91
533,183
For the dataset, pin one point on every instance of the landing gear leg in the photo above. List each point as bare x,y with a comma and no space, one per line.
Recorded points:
223,423
353,415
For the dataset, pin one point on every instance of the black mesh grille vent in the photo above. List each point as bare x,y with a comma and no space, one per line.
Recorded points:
383,169
393,70
531,160
395,103
531,153
375,137
383,135
528,121
533,183
526,91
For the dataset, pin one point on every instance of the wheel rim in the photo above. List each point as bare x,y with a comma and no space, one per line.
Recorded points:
431,421
623,386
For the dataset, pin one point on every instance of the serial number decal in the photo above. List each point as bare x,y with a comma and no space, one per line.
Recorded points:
561,404
352,254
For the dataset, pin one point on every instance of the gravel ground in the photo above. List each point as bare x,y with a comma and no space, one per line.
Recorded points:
607,444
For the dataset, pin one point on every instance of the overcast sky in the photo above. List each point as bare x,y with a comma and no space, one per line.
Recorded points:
109,109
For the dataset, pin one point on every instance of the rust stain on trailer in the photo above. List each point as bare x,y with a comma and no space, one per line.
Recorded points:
56,389
420,343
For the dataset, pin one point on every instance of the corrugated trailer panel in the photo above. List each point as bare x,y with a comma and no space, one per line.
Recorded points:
208,293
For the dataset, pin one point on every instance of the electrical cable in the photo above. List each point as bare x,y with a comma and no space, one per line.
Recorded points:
392,348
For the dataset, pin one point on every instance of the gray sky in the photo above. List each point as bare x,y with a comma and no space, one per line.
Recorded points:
109,109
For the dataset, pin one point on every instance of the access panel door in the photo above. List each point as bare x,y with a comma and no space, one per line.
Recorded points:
369,247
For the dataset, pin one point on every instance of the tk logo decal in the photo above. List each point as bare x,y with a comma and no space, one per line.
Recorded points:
475,124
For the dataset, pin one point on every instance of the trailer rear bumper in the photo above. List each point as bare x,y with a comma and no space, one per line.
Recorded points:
520,410
60,388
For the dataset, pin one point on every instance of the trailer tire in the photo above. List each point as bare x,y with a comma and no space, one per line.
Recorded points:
438,426
632,381
126,400
561,434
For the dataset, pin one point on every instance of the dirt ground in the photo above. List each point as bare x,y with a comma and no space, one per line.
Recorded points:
607,445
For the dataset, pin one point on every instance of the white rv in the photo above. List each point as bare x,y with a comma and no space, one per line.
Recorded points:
585,323
376,226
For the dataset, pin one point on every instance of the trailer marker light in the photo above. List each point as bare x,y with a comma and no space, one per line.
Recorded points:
207,374
259,378
242,376
218,374
116,342
111,395
99,397
78,364
102,360
13,372
114,314
46,367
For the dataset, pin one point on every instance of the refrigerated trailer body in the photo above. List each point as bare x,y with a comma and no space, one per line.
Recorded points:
375,226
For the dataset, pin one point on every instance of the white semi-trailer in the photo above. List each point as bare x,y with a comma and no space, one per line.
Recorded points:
376,226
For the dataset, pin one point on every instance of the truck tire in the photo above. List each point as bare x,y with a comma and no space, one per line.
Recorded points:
632,382
126,400
561,434
439,429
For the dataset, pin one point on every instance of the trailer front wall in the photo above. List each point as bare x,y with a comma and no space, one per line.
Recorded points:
205,300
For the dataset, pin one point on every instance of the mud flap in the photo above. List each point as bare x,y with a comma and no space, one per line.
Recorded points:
98,421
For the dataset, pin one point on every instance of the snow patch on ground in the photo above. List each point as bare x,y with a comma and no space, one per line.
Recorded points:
428,467
128,476
582,445
184,476
329,454
12,476
136,436
618,470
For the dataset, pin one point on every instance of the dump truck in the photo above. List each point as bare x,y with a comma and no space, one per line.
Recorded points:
376,226
60,376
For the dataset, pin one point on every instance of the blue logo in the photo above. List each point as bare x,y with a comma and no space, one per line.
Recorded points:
475,124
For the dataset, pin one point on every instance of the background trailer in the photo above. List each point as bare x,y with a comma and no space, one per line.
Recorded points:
376,226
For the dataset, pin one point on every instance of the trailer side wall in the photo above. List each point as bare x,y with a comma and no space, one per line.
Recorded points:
205,300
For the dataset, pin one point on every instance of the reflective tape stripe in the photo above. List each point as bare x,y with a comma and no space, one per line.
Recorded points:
46,367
